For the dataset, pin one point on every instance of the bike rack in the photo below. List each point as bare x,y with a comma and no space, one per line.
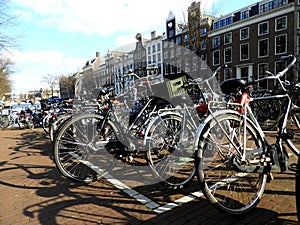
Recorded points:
295,167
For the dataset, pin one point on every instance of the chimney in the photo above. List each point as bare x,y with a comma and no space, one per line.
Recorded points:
98,54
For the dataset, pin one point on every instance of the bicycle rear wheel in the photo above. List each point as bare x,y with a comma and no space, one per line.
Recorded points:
233,186
170,152
4,122
82,152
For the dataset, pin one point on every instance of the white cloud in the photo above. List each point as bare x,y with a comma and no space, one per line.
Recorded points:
104,17
93,17
32,66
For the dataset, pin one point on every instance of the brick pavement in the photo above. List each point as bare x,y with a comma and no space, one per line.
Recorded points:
33,192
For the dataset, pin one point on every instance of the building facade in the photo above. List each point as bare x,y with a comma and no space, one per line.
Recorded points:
250,41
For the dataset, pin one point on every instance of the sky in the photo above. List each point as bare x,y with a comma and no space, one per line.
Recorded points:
57,37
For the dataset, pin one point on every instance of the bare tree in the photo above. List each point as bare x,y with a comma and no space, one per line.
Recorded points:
6,42
51,81
67,86
5,70
6,21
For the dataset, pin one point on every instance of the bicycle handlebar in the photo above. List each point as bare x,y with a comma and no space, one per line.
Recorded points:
197,81
281,73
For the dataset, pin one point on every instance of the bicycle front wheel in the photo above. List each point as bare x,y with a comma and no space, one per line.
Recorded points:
4,122
83,152
170,152
232,185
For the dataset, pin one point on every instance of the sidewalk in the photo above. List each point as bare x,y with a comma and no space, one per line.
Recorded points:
33,192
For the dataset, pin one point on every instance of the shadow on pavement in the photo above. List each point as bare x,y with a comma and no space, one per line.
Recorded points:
52,199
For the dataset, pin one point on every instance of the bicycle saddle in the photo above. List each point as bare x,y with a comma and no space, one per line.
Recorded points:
232,85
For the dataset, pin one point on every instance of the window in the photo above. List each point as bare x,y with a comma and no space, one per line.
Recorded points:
244,33
195,65
149,50
149,59
178,40
263,28
187,66
279,66
178,50
228,55
153,48
203,62
154,59
216,25
263,48
166,54
229,20
171,33
227,38
262,68
166,69
166,44
216,58
216,41
245,14
281,23
158,47
179,66
159,57
227,73
172,53
172,69
280,44
244,54
245,72
203,31
265,7
186,37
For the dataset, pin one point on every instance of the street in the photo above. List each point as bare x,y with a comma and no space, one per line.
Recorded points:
33,192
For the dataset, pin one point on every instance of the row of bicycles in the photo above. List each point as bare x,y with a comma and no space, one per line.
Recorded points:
220,138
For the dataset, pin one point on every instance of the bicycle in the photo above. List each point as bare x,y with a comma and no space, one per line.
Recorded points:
88,145
233,158
168,136
269,111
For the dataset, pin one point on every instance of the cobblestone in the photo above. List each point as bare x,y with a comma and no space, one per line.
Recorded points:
33,192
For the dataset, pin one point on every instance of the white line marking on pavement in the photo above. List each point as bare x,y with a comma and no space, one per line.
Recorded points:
136,195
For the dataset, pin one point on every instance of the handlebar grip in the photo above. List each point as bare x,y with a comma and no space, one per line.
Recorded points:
284,58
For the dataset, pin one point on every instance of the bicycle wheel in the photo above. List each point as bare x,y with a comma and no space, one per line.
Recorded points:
55,125
4,122
82,152
170,152
268,113
232,186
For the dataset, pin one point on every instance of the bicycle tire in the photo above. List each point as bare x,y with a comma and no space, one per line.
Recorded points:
4,122
55,126
268,113
170,157
226,184
81,152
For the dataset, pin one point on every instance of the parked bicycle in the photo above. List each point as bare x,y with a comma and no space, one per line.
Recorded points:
234,160
169,135
88,145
